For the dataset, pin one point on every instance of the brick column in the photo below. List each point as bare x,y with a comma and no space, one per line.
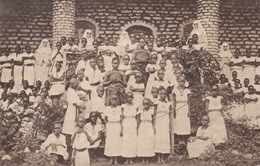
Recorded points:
63,19
208,14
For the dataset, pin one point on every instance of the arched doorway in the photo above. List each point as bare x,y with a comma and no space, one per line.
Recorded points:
139,29
82,24
186,29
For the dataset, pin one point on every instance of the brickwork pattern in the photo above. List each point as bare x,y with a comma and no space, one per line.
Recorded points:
25,22
167,15
240,25
28,22
208,14
63,19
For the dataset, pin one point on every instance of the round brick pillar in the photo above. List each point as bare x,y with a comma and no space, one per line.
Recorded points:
63,19
208,14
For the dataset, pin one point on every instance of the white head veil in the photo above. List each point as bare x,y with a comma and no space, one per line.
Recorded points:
89,39
124,39
225,53
200,31
44,50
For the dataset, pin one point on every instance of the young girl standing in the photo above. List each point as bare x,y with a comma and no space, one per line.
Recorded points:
80,143
146,131
114,130
129,139
181,110
213,107
162,126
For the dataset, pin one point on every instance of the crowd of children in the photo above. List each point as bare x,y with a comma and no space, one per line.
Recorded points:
132,93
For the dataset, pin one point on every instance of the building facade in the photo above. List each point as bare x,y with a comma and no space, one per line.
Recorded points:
27,22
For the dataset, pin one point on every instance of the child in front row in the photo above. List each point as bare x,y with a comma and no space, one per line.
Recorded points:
55,144
146,131
114,130
162,125
80,141
129,139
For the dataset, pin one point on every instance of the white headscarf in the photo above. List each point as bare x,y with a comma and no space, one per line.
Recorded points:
90,39
225,53
124,39
44,50
200,31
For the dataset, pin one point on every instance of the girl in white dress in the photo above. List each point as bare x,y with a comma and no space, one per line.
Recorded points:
213,107
114,130
248,66
251,100
137,87
203,140
29,66
225,55
162,125
146,131
181,96
43,60
80,143
129,139
236,64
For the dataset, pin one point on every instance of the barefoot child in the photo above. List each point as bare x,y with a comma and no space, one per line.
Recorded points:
162,126
80,143
129,140
146,131
114,130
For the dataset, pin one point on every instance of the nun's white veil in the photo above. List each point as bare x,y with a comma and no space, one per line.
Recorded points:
88,34
124,39
42,49
224,51
200,31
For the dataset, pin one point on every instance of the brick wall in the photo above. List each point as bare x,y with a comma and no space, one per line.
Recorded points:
63,19
240,24
25,22
167,17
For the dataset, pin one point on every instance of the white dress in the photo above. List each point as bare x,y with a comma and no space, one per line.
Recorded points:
145,142
216,119
162,126
42,66
238,69
60,150
80,150
93,132
6,74
129,139
71,115
138,96
18,71
29,69
113,146
182,120
251,109
198,147
249,70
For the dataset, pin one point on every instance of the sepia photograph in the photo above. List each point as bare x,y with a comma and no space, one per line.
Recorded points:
130,82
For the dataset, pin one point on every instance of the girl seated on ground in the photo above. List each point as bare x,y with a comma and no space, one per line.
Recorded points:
55,144
203,140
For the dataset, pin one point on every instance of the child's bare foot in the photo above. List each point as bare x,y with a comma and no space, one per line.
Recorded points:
131,162
111,162
143,162
126,162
